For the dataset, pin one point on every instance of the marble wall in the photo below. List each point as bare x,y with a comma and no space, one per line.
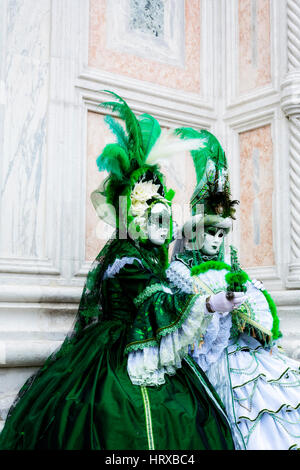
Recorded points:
256,170
254,44
25,74
97,233
146,56
156,42
24,94
254,71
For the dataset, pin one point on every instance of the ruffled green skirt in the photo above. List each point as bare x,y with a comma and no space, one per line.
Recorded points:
85,400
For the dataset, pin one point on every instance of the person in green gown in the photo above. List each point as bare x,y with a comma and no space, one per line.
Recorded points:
123,378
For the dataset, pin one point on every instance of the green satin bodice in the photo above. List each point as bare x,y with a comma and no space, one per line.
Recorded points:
138,294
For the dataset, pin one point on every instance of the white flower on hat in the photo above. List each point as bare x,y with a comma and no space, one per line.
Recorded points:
143,191
138,208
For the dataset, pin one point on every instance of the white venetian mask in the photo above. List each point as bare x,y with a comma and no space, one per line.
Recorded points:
213,237
158,224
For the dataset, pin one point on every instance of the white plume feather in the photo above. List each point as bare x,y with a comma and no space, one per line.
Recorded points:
168,145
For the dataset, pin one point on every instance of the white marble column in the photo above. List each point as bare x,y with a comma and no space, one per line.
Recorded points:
43,47
24,96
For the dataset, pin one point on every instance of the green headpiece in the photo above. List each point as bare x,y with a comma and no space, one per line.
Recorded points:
212,189
133,166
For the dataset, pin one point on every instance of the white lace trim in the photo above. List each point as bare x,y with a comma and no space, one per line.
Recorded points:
149,291
217,334
215,340
148,366
180,277
117,265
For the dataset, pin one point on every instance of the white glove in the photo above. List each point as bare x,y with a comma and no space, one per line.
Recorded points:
220,303
258,284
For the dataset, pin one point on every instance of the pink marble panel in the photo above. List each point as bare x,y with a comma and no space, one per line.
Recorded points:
183,78
98,135
180,177
256,172
254,44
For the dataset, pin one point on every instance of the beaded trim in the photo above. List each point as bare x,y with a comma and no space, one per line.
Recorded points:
263,376
232,401
273,412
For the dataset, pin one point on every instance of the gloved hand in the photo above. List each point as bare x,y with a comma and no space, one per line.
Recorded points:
220,302
258,284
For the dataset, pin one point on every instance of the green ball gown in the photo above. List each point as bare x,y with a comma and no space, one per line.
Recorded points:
123,378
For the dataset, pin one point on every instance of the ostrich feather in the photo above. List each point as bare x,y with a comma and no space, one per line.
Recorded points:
115,160
118,131
135,141
150,131
168,145
212,150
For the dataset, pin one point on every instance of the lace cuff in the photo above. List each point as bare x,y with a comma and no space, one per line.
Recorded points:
215,340
149,365
118,264
179,276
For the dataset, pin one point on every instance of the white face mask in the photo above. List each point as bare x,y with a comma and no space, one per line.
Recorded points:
213,238
158,224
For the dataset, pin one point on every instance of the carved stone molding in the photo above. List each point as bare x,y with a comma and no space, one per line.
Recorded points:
290,94
293,33
156,32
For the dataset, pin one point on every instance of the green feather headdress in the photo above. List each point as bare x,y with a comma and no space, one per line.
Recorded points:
141,145
212,189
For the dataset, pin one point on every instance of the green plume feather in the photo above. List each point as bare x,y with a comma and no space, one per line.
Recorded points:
275,328
135,141
236,278
115,160
212,149
207,265
118,131
150,131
